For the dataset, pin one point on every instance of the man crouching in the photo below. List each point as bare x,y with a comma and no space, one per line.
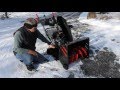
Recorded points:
24,44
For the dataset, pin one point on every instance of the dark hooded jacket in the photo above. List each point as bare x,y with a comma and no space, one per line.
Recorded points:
25,40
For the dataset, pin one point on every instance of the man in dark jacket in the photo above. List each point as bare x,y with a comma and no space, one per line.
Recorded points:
24,44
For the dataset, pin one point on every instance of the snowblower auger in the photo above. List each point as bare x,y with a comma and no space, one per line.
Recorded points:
67,50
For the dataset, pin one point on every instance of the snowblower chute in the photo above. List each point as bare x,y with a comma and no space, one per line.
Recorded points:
67,50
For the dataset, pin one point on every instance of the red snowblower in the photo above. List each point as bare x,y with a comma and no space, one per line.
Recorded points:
67,50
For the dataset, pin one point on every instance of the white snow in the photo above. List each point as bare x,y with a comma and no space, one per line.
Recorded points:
10,67
83,15
101,34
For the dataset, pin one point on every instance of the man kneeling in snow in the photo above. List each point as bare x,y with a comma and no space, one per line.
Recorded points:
24,44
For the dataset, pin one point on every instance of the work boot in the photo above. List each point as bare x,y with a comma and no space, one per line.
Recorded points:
30,67
65,66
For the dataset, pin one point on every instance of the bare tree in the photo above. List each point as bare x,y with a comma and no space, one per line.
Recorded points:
6,15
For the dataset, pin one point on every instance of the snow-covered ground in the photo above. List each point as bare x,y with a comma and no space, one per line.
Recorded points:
102,33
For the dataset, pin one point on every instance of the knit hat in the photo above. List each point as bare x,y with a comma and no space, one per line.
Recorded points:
30,22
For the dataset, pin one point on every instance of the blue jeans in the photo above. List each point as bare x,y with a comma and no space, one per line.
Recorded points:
27,59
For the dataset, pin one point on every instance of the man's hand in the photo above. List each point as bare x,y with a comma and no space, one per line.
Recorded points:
51,46
32,52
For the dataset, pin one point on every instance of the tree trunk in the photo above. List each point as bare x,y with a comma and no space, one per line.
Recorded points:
6,15
91,15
